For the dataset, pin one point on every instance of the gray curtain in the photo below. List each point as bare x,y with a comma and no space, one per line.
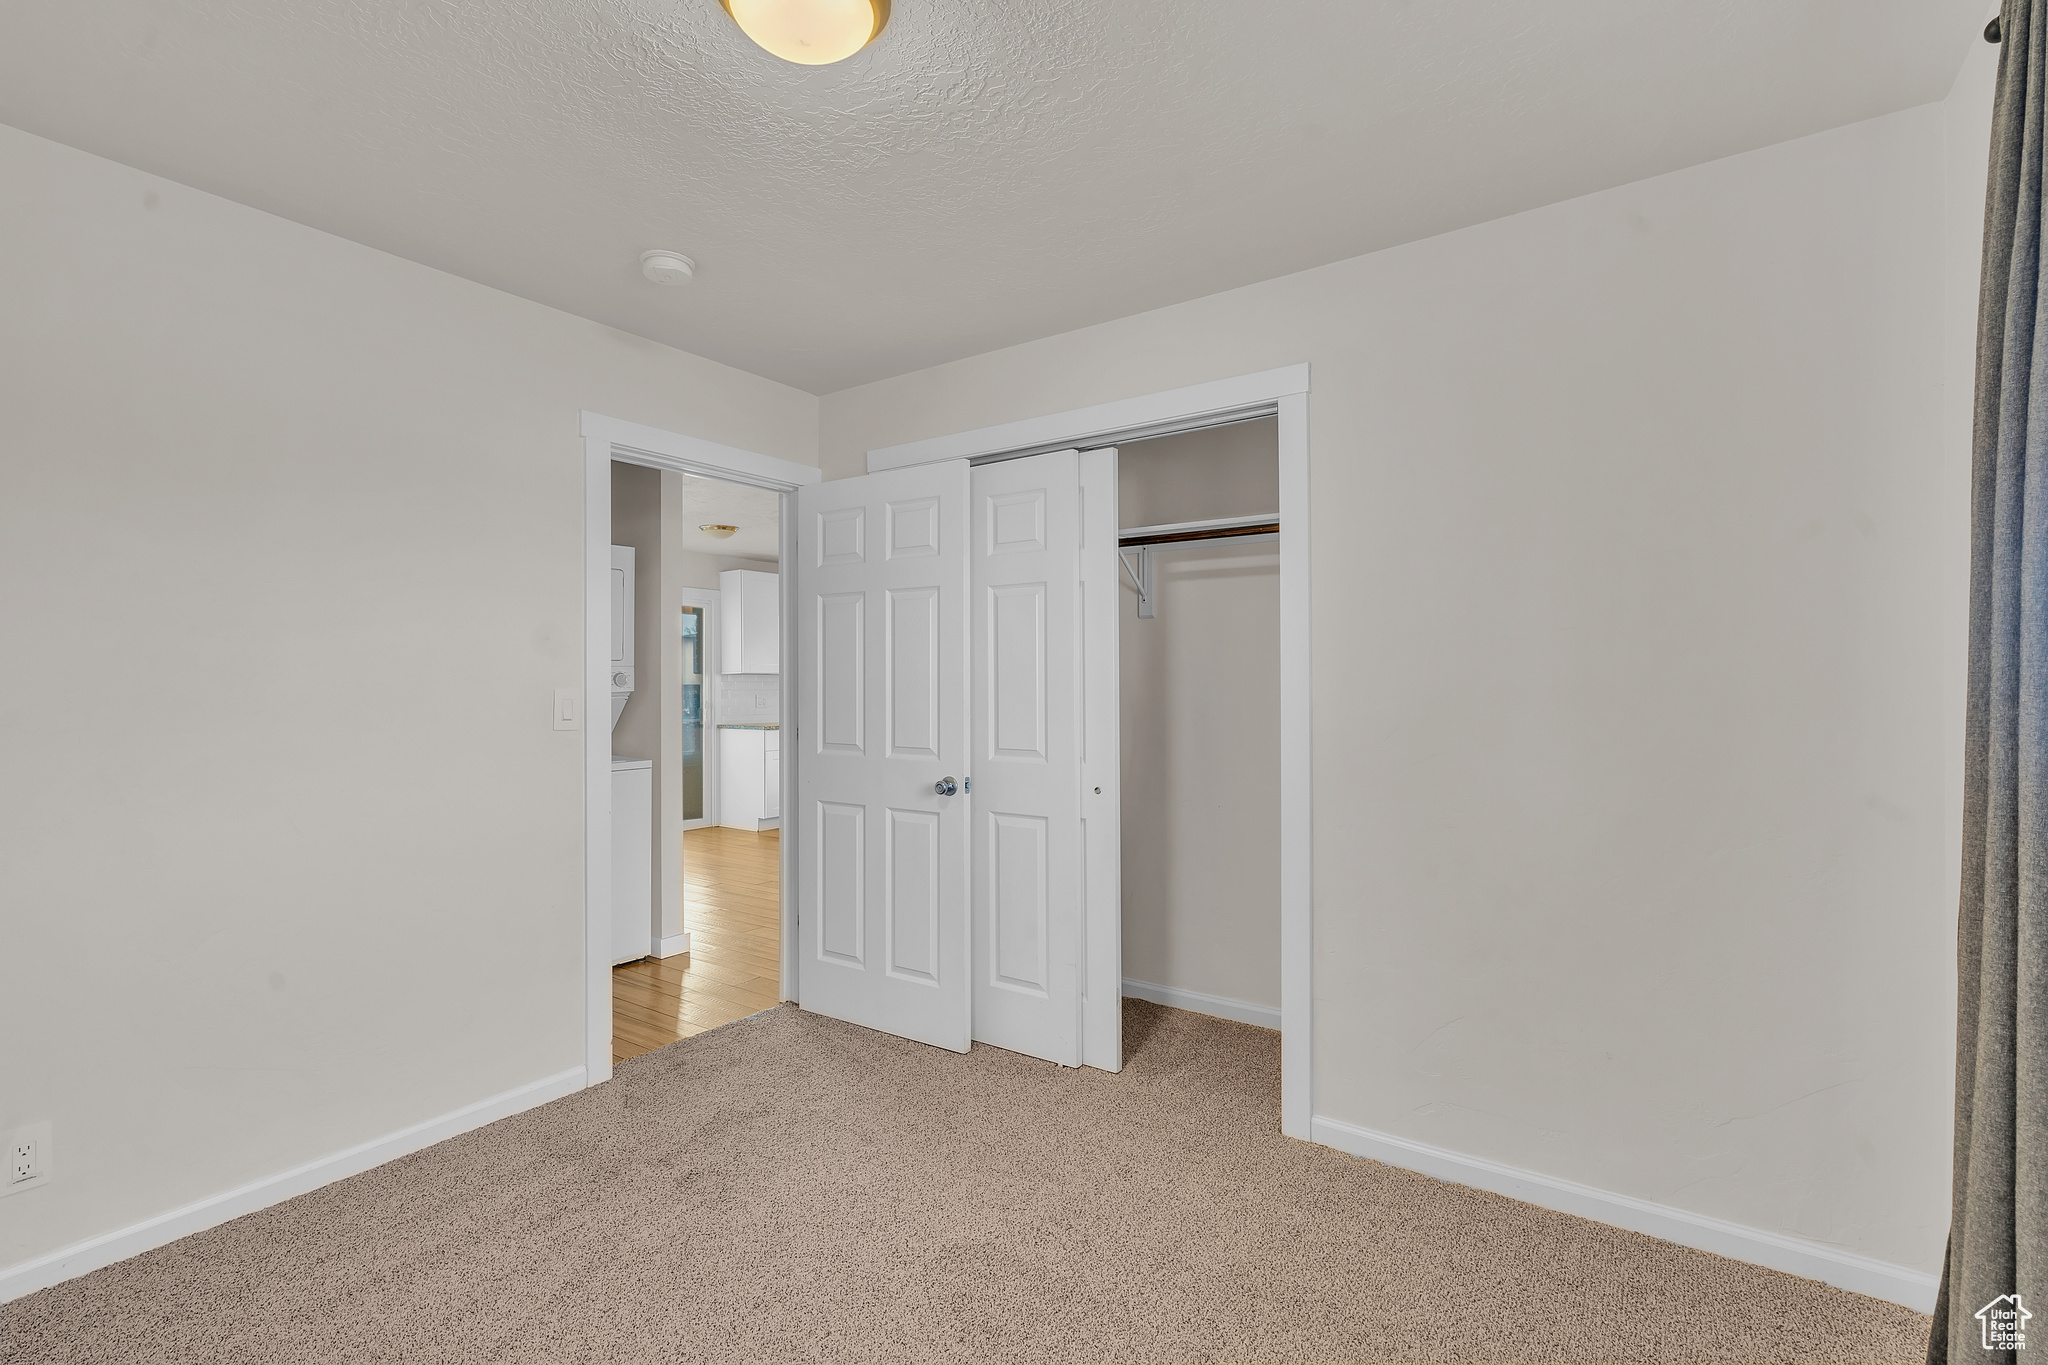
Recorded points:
1998,1233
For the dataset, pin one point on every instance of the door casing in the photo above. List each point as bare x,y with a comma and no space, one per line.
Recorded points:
608,439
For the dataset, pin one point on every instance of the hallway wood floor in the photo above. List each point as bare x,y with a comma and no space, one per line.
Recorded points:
731,909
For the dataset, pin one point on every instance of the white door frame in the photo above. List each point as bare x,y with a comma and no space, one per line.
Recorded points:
606,439
1281,393
706,600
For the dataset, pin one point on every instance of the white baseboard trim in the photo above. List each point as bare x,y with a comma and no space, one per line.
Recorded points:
673,946
1218,1006
119,1245
1843,1269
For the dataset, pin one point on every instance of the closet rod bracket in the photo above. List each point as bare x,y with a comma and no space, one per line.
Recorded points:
1141,577
1141,541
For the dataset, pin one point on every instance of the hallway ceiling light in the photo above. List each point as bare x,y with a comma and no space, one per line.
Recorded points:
718,529
810,32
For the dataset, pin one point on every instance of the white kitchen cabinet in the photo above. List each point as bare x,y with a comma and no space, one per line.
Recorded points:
750,776
750,614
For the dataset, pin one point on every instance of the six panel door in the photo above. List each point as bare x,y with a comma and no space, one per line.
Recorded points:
881,725
1028,866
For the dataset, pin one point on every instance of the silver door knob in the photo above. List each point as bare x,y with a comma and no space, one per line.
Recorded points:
946,786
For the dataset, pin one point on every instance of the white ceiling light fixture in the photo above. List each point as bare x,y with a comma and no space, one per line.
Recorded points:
810,32
718,530
667,267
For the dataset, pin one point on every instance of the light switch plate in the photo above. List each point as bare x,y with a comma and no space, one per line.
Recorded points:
28,1148
568,708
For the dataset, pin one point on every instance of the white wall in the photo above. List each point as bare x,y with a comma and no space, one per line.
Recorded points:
1967,141
1225,471
1632,592
1201,723
290,560
701,571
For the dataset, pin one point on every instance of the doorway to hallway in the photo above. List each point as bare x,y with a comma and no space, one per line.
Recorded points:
732,888
711,552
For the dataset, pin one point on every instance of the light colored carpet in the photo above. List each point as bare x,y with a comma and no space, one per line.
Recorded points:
789,1188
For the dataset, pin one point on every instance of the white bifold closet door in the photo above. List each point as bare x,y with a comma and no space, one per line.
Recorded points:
881,721
1028,873
941,756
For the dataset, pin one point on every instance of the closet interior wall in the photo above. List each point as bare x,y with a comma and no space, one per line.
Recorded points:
1201,722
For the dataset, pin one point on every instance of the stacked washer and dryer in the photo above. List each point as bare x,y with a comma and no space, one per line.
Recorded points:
632,791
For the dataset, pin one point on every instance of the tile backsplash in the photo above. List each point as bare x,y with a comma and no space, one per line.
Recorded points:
749,698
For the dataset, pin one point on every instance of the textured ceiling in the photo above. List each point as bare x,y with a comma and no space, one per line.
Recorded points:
986,172
756,511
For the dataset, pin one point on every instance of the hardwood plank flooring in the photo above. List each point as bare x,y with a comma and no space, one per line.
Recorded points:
732,909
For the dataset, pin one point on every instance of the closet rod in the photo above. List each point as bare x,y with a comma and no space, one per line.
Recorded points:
1135,545
1218,528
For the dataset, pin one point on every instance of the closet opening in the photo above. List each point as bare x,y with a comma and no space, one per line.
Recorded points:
696,754
1200,719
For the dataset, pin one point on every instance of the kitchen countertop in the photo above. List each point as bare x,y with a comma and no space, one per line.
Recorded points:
764,725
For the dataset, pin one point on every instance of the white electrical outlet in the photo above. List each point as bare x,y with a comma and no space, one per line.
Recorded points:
27,1162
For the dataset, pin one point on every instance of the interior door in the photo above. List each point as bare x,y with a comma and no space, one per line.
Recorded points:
881,729
1029,871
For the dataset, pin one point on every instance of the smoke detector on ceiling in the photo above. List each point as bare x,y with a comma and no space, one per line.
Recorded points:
667,267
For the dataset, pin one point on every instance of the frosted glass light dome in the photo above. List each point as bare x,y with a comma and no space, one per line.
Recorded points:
810,32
